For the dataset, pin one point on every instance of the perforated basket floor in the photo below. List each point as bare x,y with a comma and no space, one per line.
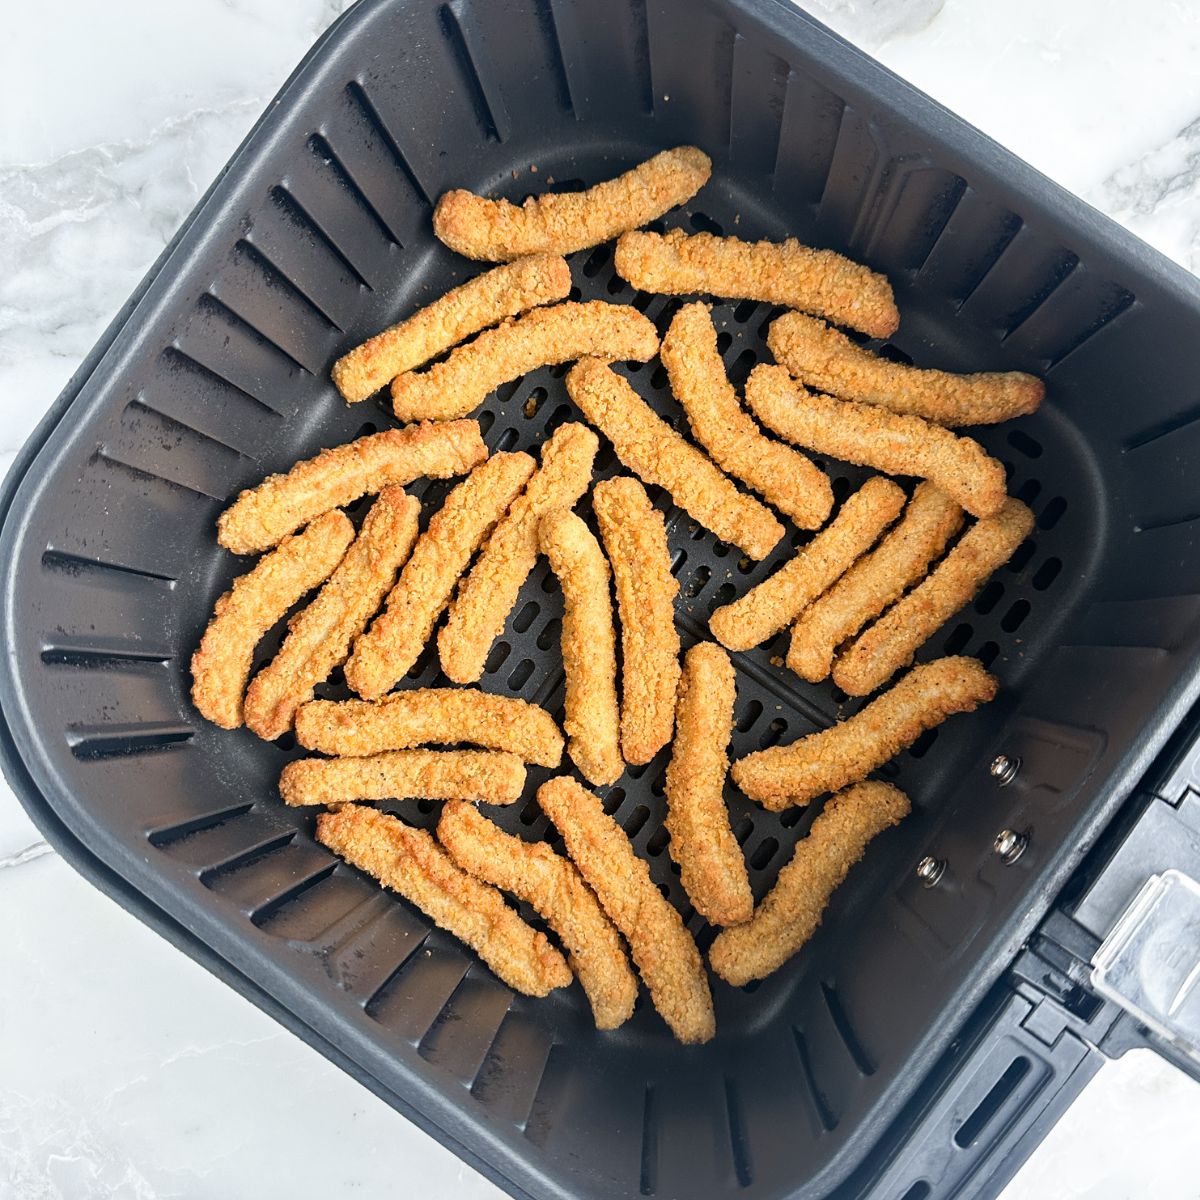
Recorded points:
320,234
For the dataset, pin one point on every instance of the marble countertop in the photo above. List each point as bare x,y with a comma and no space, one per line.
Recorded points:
126,1070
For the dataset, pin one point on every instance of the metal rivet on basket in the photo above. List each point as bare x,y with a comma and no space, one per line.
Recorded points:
930,870
1004,769
1010,845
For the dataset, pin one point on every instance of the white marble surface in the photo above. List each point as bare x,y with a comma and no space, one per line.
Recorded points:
125,1070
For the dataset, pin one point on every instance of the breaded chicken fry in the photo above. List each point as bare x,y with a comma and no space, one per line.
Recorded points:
881,650
850,750
589,646
477,304
389,648
635,539
654,452
828,361
319,637
765,609
488,593
431,716
782,476
563,222
260,516
901,558
792,909
553,886
873,437
711,866
486,775
558,334
410,862
221,665
787,273
665,954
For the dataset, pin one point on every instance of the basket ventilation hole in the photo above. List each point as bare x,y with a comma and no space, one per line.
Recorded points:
773,734
742,830
989,597
750,714
764,853
520,676
744,311
596,261
526,616
841,488
495,660
1020,559
366,430
1029,491
968,1132
922,745
987,653
1030,447
549,635
530,812
703,223
1047,573
1012,619
724,341
535,401
636,820
960,635
1052,513
894,354
657,841
919,1191
508,439
486,419
698,582
613,800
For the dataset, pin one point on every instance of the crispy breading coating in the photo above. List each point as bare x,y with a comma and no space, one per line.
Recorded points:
221,664
563,222
904,555
635,539
558,334
826,360
655,453
489,592
410,862
431,716
389,648
787,273
553,886
890,643
665,954
792,909
589,646
319,637
871,436
766,608
260,516
711,866
477,304
850,750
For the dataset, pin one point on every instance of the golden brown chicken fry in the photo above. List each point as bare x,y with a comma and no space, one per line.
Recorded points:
558,334
410,862
589,646
260,516
635,538
488,593
901,558
221,665
765,609
792,909
563,222
787,273
711,867
431,716
390,647
477,304
665,954
553,886
827,360
882,649
833,758
654,452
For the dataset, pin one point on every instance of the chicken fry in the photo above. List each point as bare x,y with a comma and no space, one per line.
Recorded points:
635,538
589,646
563,222
410,862
665,954
389,648
787,273
849,751
488,594
882,649
828,361
477,304
711,866
873,437
901,558
792,909
782,476
654,452
261,516
558,334
553,886
765,609
221,665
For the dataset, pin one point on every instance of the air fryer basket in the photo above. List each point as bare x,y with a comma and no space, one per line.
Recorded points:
320,234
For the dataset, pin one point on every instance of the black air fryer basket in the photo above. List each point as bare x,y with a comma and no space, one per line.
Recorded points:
922,1041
